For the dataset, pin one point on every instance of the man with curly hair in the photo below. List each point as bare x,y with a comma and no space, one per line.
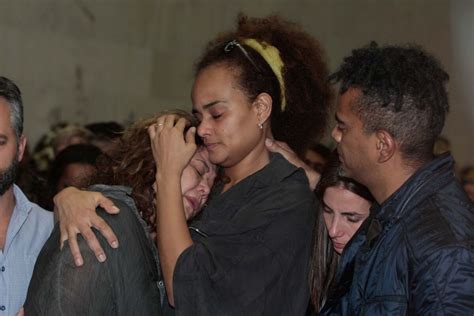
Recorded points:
415,254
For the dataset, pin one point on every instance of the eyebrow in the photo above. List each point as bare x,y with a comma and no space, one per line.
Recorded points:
326,206
351,214
208,105
204,163
343,213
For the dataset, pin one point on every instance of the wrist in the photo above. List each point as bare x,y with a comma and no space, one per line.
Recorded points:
167,177
313,178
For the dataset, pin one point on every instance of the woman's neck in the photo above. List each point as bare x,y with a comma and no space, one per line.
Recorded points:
255,161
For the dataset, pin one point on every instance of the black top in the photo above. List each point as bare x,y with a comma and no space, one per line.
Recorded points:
251,248
127,283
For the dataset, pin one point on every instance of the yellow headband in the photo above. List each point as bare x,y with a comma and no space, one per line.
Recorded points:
272,57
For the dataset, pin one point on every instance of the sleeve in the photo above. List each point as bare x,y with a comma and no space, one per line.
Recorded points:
58,287
257,265
445,284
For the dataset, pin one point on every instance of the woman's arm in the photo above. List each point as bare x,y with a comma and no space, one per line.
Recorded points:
76,212
172,153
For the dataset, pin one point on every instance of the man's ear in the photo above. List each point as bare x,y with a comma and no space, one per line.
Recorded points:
263,106
386,146
21,147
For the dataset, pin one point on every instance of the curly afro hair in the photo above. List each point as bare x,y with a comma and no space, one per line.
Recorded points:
307,92
403,92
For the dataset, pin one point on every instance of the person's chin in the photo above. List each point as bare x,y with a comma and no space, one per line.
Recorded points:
217,158
338,247
188,210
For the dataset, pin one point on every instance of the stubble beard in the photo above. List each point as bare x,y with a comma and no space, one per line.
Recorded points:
8,176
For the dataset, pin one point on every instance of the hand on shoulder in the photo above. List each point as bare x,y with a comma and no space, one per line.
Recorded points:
285,150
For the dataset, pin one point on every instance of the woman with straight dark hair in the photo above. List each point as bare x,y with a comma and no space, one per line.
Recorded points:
344,205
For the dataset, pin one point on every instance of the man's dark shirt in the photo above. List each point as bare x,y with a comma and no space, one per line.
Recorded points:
415,255
127,283
251,248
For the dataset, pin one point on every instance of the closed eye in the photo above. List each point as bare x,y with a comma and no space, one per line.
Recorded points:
198,172
327,209
216,116
199,166
353,217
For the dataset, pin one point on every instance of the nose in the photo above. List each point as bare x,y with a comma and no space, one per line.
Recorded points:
336,134
204,187
334,230
203,128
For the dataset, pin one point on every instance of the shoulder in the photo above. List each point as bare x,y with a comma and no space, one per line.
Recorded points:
44,218
118,192
120,195
36,214
128,222
442,221
282,178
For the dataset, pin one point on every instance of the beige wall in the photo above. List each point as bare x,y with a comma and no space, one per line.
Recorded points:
90,60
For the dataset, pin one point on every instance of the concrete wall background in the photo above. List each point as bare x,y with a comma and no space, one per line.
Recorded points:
92,60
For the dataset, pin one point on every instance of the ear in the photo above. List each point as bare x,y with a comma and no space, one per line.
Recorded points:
21,147
386,146
263,107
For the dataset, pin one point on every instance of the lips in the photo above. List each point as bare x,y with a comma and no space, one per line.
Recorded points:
211,146
192,202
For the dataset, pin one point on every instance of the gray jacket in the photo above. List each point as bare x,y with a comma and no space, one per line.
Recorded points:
127,283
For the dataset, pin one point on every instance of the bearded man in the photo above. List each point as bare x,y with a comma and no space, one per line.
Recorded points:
24,226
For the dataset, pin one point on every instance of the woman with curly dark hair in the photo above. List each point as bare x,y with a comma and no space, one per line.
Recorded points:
248,252
129,283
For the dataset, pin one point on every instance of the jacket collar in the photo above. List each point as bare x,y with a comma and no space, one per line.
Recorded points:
424,182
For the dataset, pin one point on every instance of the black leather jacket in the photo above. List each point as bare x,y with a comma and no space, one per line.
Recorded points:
127,283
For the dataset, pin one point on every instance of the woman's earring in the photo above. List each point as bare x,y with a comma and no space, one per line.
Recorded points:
260,125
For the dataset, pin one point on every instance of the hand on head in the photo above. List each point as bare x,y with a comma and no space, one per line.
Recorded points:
172,151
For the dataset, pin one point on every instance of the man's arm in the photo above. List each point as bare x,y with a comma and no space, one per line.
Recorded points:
444,284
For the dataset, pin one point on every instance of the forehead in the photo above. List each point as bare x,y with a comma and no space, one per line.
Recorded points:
213,83
347,100
5,123
341,199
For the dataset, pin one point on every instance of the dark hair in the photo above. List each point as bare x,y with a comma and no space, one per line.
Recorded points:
10,91
324,259
131,163
105,130
79,153
307,92
403,92
322,151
